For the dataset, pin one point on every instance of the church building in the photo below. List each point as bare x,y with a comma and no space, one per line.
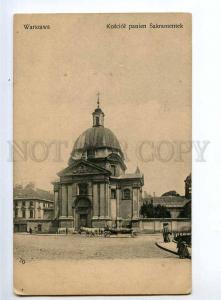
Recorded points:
94,190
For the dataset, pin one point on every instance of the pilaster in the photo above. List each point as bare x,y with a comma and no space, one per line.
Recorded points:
64,200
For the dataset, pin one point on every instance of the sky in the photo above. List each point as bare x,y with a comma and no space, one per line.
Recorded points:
144,80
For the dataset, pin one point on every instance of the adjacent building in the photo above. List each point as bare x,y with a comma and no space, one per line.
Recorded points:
178,206
32,211
174,204
188,186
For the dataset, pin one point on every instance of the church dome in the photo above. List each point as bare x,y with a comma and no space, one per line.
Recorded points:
97,141
97,137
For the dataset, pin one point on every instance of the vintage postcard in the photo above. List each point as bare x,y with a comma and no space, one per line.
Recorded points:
102,154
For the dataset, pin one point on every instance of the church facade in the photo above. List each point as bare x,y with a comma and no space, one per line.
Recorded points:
94,190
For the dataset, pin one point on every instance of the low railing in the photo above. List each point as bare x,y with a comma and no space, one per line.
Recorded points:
184,236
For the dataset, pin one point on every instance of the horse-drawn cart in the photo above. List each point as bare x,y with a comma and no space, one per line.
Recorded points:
117,231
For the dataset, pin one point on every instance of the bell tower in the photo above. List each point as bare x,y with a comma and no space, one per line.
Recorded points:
98,115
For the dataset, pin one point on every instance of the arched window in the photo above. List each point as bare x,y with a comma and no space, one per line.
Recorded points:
31,214
23,203
97,121
90,153
113,170
126,194
113,194
31,203
23,213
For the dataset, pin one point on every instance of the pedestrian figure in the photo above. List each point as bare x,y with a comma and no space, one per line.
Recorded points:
166,233
30,231
182,249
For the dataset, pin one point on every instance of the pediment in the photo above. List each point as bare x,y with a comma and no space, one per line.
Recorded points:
88,169
113,157
83,168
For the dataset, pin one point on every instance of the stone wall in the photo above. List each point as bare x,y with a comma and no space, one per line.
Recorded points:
40,226
153,225
126,209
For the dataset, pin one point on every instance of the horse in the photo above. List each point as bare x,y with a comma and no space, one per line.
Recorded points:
90,231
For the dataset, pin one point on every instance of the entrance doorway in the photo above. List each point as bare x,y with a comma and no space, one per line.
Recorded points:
83,212
83,220
20,227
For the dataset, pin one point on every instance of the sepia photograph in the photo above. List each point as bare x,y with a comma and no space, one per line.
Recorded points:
102,154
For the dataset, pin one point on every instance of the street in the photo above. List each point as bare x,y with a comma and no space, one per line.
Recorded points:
74,264
37,247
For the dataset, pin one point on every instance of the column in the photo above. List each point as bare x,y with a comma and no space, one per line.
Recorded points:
118,201
74,191
59,202
35,210
135,203
74,195
139,199
27,213
56,204
107,200
90,191
95,200
102,200
64,200
70,201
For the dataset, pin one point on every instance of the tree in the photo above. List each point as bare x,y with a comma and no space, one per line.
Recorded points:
18,189
148,210
146,195
186,212
29,190
170,193
30,186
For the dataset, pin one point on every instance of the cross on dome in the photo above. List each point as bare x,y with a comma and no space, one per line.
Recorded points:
98,100
98,115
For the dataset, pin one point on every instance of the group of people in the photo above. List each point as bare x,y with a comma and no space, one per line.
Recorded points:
182,249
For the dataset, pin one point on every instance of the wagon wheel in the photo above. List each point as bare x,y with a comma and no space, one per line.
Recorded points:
107,234
133,234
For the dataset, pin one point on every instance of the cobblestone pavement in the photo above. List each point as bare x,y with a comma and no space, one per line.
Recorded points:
171,246
76,265
41,247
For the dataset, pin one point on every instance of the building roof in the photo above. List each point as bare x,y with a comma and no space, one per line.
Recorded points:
188,178
82,167
27,198
129,176
168,201
30,192
96,137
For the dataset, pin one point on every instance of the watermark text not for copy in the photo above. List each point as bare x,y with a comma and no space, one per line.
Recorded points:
145,151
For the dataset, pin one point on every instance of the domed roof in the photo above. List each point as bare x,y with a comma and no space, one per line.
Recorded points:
97,137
